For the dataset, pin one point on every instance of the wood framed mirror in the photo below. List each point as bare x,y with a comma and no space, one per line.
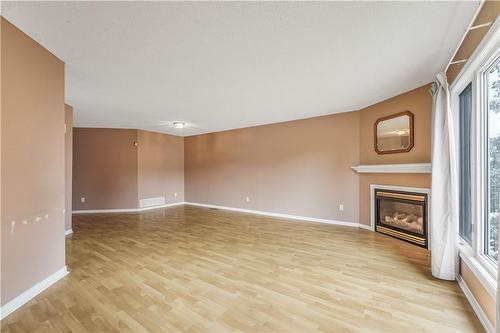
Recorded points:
394,133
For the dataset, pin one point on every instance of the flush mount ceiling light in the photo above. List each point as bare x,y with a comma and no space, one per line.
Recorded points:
401,132
179,124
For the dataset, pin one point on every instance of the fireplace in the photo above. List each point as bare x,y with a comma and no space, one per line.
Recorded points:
402,214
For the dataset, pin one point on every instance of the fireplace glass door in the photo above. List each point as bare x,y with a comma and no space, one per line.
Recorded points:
402,215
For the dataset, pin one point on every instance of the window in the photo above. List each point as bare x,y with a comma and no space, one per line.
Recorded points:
492,163
475,106
465,110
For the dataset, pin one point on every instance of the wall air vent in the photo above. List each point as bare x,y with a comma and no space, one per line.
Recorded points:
151,202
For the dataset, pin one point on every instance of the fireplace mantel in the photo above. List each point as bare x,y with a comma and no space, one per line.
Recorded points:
393,168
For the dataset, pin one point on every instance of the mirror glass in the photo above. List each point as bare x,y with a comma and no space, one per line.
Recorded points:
394,133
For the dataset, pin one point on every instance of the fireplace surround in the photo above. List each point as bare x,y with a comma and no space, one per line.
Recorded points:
401,212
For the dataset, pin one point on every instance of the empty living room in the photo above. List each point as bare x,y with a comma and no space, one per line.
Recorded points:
249,166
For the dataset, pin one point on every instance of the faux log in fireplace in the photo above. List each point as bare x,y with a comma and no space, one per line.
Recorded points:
402,215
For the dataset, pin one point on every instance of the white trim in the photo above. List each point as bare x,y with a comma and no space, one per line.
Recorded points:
285,216
367,227
403,189
68,232
250,211
125,210
481,159
394,168
27,295
479,271
488,327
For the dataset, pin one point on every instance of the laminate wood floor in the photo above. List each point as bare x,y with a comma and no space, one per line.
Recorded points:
195,269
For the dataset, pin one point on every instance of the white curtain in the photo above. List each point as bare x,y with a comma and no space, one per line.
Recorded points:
444,194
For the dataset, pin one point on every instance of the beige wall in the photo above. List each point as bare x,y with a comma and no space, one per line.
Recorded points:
419,102
32,162
68,164
112,173
104,168
160,166
299,167
303,167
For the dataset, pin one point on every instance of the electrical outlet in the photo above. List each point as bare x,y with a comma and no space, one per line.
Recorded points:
82,199
341,207
247,199
175,194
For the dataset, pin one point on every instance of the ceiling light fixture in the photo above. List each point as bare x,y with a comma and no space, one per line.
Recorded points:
401,132
179,124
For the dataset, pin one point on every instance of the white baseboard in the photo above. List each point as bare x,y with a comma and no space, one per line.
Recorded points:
27,295
241,210
488,327
68,232
125,210
285,216
367,227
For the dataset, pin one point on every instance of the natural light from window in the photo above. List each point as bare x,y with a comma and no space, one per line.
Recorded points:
492,82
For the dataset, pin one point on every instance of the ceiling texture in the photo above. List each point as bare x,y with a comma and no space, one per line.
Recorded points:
226,65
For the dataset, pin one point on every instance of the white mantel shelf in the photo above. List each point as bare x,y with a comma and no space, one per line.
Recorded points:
393,168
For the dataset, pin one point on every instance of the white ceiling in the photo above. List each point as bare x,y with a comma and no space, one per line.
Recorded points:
224,65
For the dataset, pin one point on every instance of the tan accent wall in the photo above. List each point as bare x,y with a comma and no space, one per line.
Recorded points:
68,164
419,102
299,167
480,293
488,13
160,166
32,162
104,168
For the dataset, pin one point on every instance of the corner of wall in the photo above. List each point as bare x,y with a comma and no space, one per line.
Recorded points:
30,166
68,165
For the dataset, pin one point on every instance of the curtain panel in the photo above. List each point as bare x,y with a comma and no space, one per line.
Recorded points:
444,196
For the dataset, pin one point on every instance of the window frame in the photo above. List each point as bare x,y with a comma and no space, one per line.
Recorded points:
483,58
461,198
485,156
479,140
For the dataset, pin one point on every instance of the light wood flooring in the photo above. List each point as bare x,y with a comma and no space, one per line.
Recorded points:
195,269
